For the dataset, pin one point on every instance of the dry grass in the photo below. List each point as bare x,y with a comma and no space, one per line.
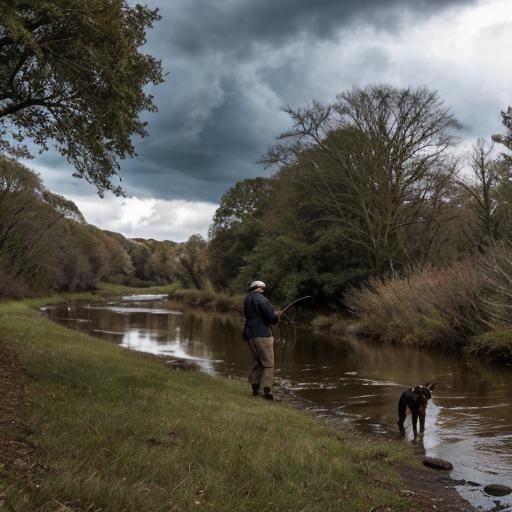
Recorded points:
428,306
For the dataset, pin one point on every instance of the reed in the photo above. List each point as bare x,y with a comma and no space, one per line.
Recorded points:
426,306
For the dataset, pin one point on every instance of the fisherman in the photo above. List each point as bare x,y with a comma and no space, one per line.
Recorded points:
259,315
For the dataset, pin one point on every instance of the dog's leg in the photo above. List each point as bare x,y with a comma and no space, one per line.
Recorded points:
401,428
422,421
402,412
415,423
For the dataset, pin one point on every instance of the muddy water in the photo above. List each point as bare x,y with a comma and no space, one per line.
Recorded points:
469,420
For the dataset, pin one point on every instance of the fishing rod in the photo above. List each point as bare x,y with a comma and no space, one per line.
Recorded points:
293,303
291,322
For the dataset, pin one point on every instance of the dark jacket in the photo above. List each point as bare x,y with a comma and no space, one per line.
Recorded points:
259,315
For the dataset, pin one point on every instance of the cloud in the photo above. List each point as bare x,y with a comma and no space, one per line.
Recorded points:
148,218
234,63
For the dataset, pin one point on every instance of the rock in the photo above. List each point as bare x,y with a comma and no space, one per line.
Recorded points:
182,364
432,462
497,490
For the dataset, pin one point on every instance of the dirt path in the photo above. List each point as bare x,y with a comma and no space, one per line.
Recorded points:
15,448
428,489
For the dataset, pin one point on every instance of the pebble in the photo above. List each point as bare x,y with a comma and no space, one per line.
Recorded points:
434,463
497,490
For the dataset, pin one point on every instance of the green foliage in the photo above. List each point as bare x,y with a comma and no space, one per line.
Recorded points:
45,244
71,73
495,345
236,228
192,258
506,139
363,187
139,254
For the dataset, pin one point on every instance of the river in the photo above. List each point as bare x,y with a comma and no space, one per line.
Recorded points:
469,419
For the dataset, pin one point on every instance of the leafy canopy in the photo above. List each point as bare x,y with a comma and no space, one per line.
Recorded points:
71,72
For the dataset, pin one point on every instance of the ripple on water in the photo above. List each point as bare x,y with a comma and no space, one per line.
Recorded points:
130,310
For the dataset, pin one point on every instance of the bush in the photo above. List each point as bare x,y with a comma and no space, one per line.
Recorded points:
330,324
322,323
427,306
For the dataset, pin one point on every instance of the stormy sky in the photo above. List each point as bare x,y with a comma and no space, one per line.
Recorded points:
233,64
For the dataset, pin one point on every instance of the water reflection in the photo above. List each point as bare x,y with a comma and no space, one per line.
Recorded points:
469,419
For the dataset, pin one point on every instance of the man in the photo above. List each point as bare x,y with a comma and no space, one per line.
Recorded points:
259,315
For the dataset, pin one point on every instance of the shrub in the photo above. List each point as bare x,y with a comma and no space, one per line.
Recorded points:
426,306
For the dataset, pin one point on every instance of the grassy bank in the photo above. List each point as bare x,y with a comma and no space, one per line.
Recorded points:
209,300
102,290
117,430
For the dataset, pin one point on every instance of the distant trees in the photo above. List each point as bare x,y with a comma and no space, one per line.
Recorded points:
484,192
45,244
506,139
71,73
192,257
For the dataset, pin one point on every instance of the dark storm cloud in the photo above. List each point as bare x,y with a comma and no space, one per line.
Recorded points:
200,25
232,64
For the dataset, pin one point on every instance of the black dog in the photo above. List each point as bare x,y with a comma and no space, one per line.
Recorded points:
415,399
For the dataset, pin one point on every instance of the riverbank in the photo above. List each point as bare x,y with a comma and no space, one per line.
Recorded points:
106,428
495,345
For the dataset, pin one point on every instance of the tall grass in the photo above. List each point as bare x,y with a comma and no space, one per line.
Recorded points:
427,306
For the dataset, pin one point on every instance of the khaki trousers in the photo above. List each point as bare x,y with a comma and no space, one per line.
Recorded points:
262,372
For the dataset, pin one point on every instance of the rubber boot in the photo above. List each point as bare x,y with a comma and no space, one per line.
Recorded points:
267,395
255,389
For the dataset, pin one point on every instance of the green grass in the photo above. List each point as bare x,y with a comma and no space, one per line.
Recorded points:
102,290
121,432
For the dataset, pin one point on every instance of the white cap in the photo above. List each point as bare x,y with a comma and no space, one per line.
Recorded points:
257,284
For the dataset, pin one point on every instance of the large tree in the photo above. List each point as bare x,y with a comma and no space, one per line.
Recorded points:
375,164
72,73
236,228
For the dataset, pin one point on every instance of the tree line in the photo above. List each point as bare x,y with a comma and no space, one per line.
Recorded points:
369,185
46,245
